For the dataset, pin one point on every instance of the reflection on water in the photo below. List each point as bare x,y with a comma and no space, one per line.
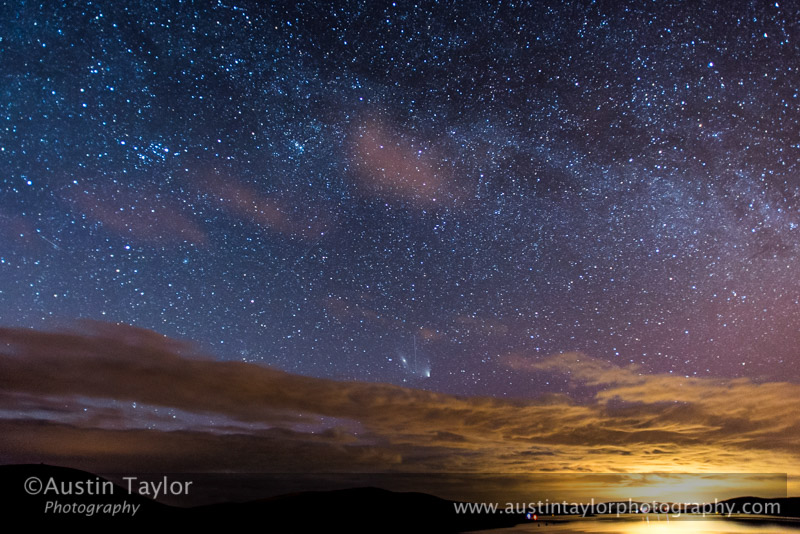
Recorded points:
637,524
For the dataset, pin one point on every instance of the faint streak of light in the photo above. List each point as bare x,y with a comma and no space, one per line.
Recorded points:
39,233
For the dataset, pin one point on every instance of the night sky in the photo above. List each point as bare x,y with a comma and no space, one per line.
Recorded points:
439,205
323,189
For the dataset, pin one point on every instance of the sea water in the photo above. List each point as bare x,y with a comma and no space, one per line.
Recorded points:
657,524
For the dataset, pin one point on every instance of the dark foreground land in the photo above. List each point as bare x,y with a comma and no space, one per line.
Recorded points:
37,492
94,499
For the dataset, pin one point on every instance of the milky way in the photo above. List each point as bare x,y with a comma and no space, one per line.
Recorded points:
410,194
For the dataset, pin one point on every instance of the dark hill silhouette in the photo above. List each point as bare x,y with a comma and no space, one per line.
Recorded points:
366,509
360,509
16,501
356,510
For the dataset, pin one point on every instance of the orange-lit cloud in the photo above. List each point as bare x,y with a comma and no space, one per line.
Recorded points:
634,423
144,215
267,211
389,166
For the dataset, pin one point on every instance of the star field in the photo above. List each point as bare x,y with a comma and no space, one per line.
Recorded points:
410,193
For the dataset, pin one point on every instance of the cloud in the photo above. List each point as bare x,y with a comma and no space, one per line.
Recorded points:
390,166
579,366
141,214
281,421
266,211
770,405
150,216
151,450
